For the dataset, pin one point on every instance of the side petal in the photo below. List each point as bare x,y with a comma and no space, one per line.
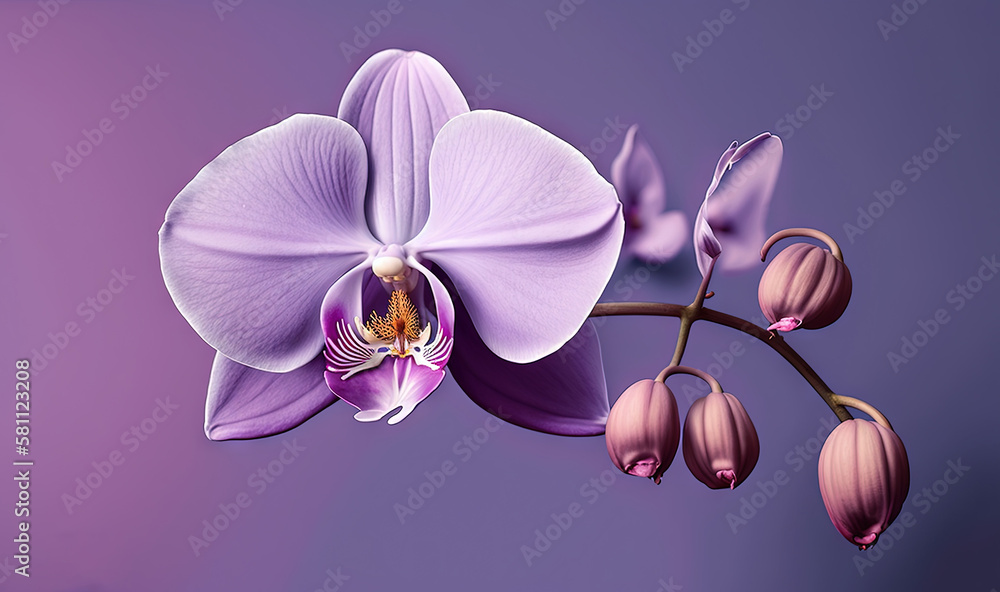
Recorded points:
248,403
524,226
564,393
398,100
250,246
661,238
638,178
395,383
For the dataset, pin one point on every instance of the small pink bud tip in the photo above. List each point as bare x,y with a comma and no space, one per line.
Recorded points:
644,468
728,475
785,324
866,541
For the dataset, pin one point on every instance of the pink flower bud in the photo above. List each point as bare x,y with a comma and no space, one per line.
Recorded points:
644,429
720,442
804,286
864,477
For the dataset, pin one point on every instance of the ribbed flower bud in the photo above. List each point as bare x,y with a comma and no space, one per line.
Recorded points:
643,430
805,285
720,442
864,477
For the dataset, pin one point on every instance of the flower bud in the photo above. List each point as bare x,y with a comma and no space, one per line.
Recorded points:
720,443
643,430
864,477
804,286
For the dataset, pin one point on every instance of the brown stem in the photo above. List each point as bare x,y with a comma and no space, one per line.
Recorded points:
775,342
806,232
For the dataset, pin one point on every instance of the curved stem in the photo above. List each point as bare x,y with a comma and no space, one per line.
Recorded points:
671,370
862,406
775,342
806,232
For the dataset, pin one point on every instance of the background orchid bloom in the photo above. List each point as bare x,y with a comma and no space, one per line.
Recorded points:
405,235
732,217
651,234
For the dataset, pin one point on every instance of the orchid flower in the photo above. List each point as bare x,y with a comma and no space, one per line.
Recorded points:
355,257
732,216
651,234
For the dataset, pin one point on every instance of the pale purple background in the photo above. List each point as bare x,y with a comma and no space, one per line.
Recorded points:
333,507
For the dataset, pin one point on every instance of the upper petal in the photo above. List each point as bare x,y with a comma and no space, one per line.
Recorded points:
524,226
638,178
248,403
706,246
398,101
251,245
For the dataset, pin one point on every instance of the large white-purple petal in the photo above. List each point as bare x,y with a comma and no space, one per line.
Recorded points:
398,100
248,403
251,245
524,226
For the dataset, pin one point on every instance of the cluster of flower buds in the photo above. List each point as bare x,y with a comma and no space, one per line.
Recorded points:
643,431
805,286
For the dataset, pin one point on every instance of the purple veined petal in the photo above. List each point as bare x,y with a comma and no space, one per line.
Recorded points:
398,100
365,375
661,238
738,207
638,179
524,226
564,393
250,246
248,403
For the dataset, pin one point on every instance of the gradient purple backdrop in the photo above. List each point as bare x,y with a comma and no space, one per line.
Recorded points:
333,507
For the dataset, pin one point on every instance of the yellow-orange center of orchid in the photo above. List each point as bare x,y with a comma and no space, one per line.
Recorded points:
400,321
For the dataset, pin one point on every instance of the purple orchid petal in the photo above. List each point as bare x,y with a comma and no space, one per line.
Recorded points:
740,197
564,393
638,178
398,101
248,403
706,246
365,375
661,238
251,245
525,227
